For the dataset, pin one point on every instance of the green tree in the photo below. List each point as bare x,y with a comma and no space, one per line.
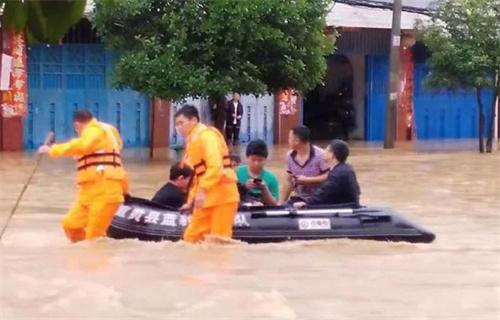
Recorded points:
42,21
206,48
464,40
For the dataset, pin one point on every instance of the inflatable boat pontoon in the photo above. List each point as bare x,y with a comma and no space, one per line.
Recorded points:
145,220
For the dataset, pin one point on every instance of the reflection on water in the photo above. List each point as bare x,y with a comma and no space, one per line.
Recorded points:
454,194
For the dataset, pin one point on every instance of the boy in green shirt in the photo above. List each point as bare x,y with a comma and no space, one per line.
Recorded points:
260,185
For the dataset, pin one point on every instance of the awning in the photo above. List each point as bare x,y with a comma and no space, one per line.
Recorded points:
343,15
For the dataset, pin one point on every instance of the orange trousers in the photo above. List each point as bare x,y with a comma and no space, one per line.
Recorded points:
215,221
95,207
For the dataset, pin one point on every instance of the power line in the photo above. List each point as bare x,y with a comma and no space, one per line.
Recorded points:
384,5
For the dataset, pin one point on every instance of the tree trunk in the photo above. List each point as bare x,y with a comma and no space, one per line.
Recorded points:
481,120
491,127
218,110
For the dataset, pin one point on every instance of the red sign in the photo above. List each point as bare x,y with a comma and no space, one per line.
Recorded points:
288,101
15,100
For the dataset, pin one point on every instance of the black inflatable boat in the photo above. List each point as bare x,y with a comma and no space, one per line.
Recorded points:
145,220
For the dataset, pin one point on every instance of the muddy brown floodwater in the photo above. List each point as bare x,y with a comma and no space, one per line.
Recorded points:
454,194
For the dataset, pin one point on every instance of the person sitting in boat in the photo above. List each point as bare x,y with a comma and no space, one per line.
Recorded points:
174,192
305,166
260,186
341,185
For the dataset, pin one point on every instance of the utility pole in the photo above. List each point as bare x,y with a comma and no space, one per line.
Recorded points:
1,127
496,119
392,97
495,125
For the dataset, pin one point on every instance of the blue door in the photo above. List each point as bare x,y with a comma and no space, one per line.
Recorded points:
69,77
445,114
377,75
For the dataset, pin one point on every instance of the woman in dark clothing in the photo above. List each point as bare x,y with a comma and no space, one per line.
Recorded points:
341,185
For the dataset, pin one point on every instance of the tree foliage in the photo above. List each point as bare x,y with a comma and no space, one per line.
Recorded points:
42,21
464,40
203,48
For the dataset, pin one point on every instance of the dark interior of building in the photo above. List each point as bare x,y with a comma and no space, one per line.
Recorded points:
328,109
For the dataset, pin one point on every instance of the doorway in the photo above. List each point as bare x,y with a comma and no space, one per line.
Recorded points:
328,109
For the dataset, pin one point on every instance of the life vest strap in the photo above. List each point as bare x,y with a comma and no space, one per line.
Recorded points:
97,155
99,163
200,168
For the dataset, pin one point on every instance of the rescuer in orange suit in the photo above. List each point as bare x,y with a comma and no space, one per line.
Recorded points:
213,196
101,179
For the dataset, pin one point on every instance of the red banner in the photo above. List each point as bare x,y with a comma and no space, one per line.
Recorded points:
405,128
15,100
288,101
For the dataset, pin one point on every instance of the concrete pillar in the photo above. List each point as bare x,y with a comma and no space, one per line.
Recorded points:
12,134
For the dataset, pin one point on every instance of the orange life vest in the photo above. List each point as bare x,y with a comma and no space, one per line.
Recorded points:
105,161
219,183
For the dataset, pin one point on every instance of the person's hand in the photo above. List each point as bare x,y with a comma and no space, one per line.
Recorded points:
238,117
199,198
185,207
262,186
300,179
298,205
250,184
44,149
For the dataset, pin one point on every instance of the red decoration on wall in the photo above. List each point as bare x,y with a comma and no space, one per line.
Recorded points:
15,100
405,127
288,101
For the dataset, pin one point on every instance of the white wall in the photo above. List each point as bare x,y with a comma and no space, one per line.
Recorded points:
257,122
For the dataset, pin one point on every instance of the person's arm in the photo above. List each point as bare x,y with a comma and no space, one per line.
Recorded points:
325,191
118,138
287,185
79,146
273,193
312,180
274,187
286,190
267,197
323,168
213,160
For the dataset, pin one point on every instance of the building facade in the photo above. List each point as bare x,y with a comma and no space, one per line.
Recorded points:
50,82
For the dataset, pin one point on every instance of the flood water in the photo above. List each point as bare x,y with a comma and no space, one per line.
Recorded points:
454,194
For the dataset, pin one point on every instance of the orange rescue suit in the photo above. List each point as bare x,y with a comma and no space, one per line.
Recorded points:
207,153
101,179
